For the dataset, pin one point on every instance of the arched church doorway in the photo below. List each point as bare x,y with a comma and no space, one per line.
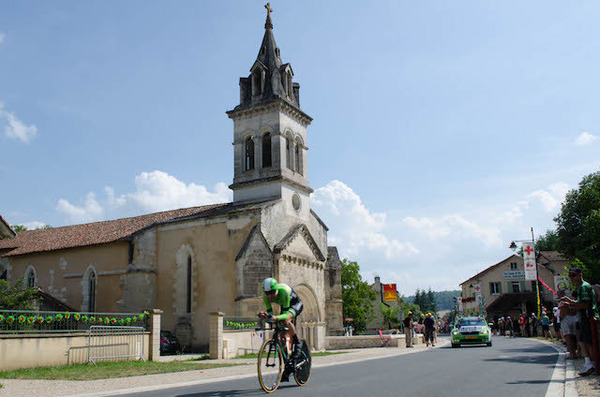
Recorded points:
311,318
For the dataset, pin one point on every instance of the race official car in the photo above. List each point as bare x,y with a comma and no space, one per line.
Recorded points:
471,330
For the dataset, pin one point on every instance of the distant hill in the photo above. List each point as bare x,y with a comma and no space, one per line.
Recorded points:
443,299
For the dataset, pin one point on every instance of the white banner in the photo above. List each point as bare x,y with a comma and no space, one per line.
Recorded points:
460,305
477,289
529,260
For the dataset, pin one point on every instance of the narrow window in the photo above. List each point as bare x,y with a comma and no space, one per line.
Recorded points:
189,286
288,153
31,279
266,150
92,292
249,156
513,266
256,83
298,157
289,85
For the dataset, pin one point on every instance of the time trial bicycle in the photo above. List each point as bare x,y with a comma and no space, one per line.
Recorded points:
275,359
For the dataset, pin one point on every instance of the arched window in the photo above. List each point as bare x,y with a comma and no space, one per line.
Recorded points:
91,292
288,152
298,156
249,154
266,150
30,278
188,292
183,280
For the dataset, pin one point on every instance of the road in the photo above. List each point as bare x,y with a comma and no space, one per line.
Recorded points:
511,367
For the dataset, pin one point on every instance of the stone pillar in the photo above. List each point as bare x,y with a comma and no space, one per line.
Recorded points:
216,335
154,345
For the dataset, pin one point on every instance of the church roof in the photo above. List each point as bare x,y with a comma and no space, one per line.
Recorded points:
52,239
295,231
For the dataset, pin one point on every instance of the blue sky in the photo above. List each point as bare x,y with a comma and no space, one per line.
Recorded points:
447,129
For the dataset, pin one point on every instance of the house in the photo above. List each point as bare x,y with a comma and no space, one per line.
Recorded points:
501,289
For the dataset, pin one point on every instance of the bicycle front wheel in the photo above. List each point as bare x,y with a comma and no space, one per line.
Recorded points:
302,370
270,365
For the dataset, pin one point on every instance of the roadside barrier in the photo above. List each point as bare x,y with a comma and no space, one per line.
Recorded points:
115,343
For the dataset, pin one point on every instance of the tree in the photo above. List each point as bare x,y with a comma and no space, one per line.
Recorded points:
547,242
578,225
431,304
357,296
17,297
419,299
18,228
390,315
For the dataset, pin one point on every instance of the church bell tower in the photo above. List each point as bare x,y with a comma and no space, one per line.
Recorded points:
269,140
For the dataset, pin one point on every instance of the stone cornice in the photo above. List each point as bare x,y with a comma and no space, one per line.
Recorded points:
271,179
302,262
263,107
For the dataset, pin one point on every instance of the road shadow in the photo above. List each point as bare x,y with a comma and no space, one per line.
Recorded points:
225,393
549,360
235,392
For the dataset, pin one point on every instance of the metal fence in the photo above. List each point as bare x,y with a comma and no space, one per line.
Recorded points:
23,322
115,343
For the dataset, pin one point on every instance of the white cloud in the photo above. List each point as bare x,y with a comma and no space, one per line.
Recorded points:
34,225
358,228
585,138
15,128
2,37
154,191
90,211
437,250
550,198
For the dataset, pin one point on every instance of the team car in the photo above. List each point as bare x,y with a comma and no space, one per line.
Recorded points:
472,331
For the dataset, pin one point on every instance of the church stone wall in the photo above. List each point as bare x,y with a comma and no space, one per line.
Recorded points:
61,273
215,244
139,284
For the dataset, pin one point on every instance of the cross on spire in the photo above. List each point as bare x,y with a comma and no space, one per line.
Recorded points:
269,9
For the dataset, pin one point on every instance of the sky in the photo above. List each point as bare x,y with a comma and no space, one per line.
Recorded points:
442,130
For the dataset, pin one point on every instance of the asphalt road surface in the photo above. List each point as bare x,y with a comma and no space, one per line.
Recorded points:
511,367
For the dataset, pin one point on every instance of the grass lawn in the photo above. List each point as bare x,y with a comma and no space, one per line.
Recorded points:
106,370
318,354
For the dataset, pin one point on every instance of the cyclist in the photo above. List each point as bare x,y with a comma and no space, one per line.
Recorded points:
291,307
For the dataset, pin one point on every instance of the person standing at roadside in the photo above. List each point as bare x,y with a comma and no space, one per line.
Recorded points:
585,303
429,324
545,326
408,329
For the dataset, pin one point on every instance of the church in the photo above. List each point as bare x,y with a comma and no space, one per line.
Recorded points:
190,262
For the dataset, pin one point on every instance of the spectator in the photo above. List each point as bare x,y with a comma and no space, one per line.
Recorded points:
510,326
534,324
522,324
408,329
585,303
568,326
545,326
556,319
429,324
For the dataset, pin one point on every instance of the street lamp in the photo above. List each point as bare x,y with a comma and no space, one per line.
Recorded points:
513,247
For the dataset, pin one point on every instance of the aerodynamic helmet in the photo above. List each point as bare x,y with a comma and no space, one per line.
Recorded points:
269,284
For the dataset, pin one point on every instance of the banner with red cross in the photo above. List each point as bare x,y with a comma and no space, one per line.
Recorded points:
529,261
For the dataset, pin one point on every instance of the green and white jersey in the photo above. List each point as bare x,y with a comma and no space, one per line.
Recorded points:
283,297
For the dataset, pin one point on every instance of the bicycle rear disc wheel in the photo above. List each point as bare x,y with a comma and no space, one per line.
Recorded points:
303,367
270,366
